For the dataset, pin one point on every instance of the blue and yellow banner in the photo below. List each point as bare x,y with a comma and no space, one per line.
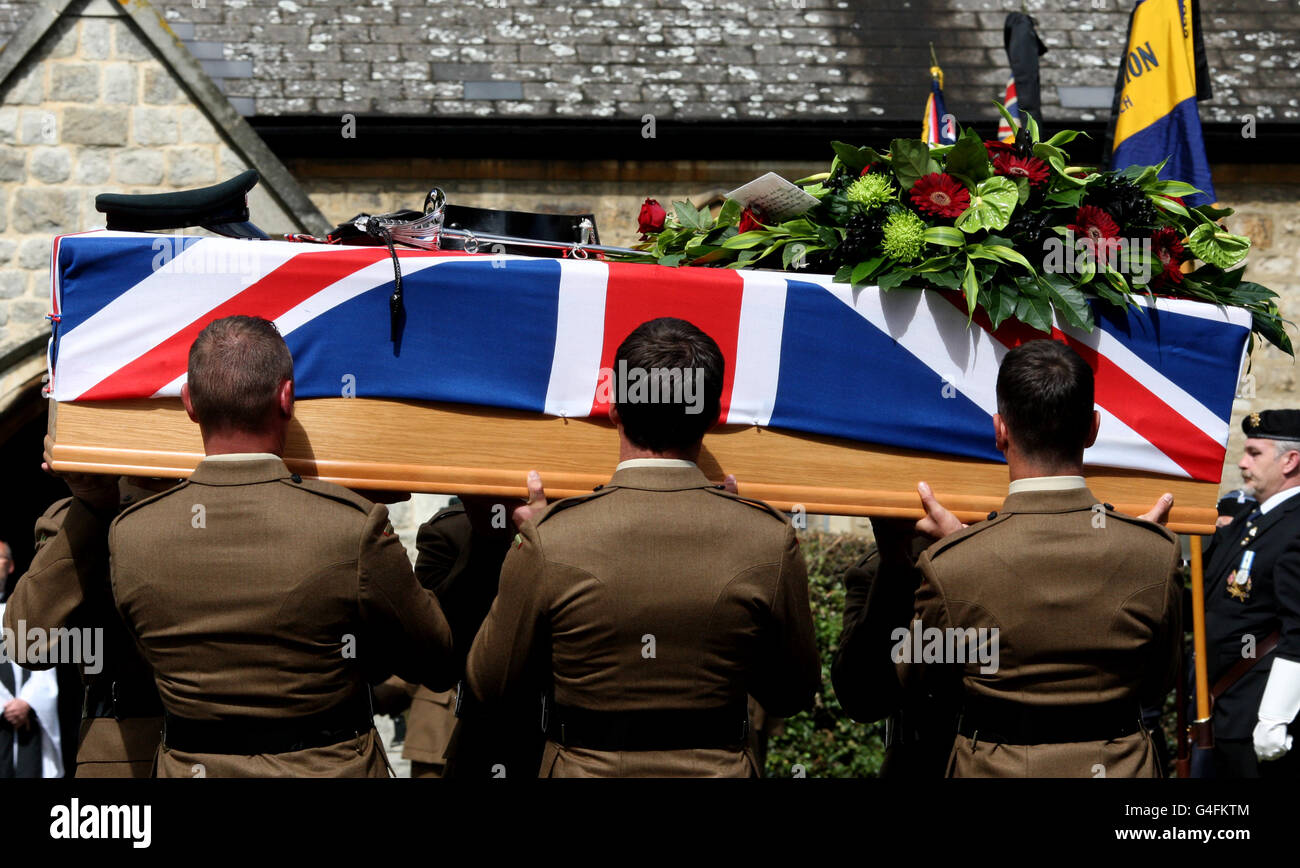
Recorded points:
937,126
1156,115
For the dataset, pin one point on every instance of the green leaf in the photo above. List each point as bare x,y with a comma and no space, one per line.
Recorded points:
1035,312
1022,190
1003,298
969,158
998,253
893,278
1006,115
672,259
1217,247
1212,213
853,157
1071,197
1166,204
863,271
911,161
971,288
729,214
1066,298
746,240
688,215
991,206
1031,125
844,274
1173,188
945,236
1064,137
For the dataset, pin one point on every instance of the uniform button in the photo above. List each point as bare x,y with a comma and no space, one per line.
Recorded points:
598,488
992,515
1109,507
296,478
720,487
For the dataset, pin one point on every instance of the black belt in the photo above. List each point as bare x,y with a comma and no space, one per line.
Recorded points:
248,736
677,729
1017,723
121,699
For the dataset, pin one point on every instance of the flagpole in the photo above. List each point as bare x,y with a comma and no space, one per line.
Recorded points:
1198,643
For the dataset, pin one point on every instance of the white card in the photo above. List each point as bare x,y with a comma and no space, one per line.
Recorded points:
776,197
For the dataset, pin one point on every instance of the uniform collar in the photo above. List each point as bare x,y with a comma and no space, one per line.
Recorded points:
1278,499
1046,483
240,469
1050,500
661,475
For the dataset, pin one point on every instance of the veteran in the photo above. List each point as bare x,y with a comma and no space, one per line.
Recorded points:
1252,608
267,604
656,603
65,595
1060,616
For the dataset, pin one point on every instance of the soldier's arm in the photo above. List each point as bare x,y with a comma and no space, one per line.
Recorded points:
789,673
1163,663
461,564
70,565
510,637
1286,585
878,600
406,632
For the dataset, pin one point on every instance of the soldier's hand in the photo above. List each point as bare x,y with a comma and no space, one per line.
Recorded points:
730,484
938,521
17,713
1160,512
536,501
97,490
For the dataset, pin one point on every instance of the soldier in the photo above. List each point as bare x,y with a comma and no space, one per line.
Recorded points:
66,589
655,603
265,603
1051,623
1252,608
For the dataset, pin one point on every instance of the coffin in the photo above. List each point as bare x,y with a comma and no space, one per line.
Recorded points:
838,400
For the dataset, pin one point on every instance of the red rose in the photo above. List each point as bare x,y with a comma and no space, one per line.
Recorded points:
749,221
651,218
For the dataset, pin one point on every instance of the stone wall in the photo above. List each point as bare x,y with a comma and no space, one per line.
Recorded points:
91,110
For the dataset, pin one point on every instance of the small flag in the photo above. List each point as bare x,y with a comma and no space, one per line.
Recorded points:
937,127
1009,102
1155,114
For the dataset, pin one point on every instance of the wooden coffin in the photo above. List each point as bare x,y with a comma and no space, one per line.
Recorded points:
459,449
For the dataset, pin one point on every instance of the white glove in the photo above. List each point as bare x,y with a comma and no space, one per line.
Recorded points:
1277,709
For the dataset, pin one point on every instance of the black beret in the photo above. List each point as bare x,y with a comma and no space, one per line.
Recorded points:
1273,424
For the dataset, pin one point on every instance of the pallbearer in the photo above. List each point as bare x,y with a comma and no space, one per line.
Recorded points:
267,603
657,602
1252,607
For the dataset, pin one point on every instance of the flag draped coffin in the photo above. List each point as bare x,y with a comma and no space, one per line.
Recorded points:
810,363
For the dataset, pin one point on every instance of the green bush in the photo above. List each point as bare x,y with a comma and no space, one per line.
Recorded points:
823,740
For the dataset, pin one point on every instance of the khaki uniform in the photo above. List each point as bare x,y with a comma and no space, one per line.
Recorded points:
429,726
659,593
67,587
1087,605
260,598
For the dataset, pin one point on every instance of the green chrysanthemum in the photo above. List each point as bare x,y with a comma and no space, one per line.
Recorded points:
871,191
904,236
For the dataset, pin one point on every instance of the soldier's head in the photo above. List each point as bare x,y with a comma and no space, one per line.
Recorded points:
1045,415
240,385
666,387
1270,460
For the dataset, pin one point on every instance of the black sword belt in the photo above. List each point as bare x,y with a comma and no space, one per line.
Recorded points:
248,736
121,699
1004,722
669,729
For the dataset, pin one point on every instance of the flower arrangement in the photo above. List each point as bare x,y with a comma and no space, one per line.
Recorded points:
1012,226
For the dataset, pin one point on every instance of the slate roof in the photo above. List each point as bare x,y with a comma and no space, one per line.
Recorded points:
718,60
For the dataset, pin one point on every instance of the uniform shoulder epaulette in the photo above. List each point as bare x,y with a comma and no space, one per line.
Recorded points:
943,545
153,498
762,505
1140,522
330,490
449,511
577,500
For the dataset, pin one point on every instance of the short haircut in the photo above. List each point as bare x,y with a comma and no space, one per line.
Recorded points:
1285,446
236,367
1045,397
670,344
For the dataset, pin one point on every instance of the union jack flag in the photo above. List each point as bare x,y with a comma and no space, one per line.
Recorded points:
901,368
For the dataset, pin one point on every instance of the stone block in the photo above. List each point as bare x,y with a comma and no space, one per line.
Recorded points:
195,127
8,126
120,83
28,89
94,125
13,283
139,166
128,46
93,166
159,87
96,39
74,82
46,210
152,125
13,163
32,253
51,165
191,167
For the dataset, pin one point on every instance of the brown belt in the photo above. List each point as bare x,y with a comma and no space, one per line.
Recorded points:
1244,665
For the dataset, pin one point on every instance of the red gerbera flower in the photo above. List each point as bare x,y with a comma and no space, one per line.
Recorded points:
750,221
1168,245
1098,230
996,147
940,195
1015,167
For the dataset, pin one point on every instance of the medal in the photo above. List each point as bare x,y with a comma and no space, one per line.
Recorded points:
1239,579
